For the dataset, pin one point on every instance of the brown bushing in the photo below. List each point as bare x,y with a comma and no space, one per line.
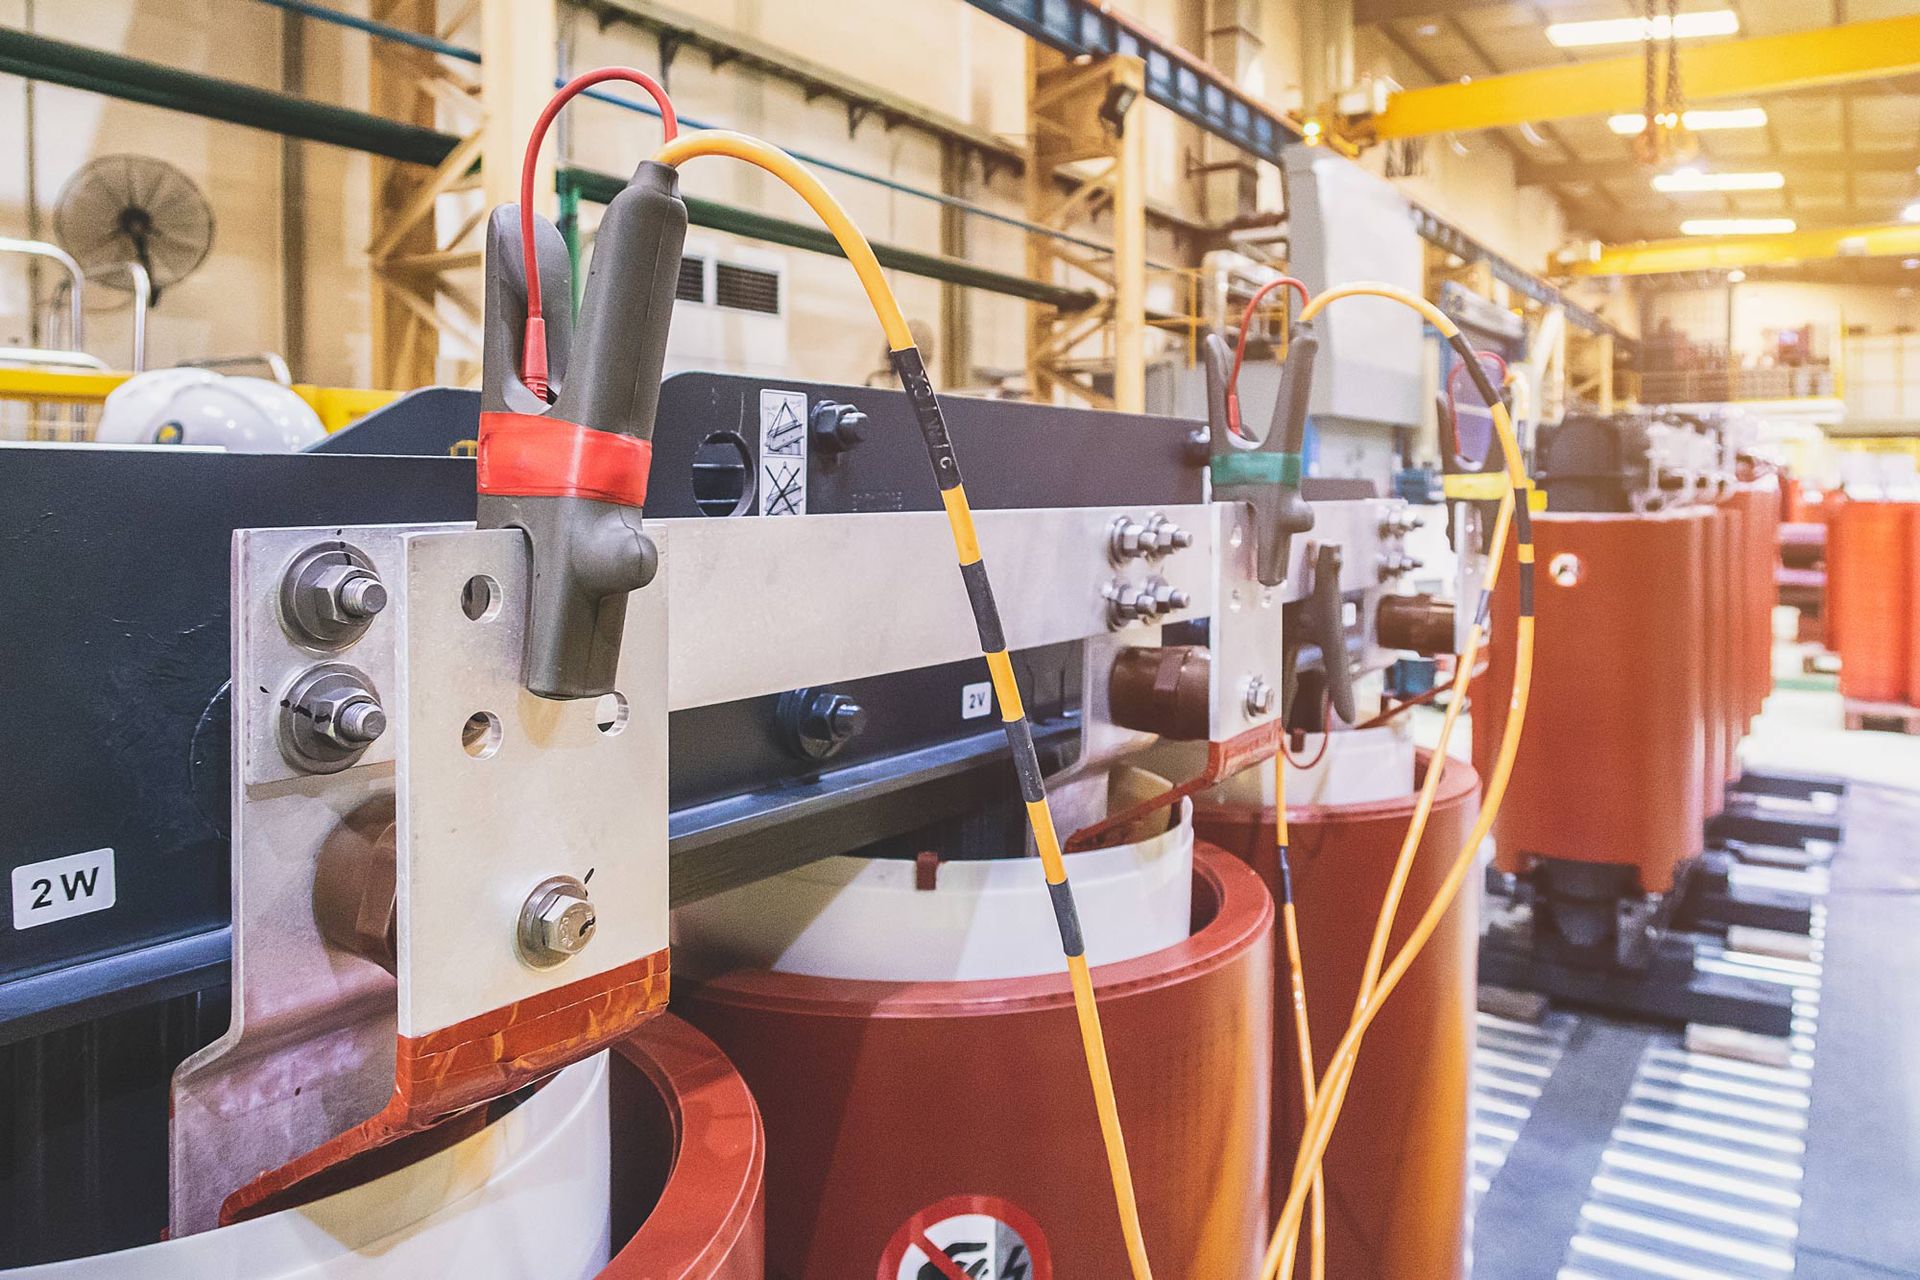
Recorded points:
1161,690
353,883
1419,624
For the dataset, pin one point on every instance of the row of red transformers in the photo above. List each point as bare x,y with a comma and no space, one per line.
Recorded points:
1654,656
1873,597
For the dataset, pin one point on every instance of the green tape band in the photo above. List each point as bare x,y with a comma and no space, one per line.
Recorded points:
1257,468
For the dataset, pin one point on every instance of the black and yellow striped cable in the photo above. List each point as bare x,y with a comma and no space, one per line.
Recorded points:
912,373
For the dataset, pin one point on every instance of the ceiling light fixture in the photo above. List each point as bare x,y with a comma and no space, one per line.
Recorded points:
1737,226
1911,213
1687,26
1910,264
1735,276
1686,180
1699,121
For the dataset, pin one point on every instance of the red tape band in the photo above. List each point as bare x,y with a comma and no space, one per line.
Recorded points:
528,456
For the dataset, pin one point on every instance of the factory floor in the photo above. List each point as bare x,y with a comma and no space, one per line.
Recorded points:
1607,1149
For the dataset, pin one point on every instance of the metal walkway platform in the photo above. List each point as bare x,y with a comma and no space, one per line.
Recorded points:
1606,1150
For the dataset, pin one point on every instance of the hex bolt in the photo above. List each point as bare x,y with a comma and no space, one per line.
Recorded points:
359,722
1162,536
1128,603
1168,598
837,427
842,718
1127,539
1392,566
817,723
329,716
330,594
1260,697
557,921
833,719
361,595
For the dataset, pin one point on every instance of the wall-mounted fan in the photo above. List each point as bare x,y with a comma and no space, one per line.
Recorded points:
126,208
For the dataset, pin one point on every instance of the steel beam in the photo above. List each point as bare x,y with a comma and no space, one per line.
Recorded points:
1702,253
79,67
1762,64
131,79
1176,79
1444,235
1198,93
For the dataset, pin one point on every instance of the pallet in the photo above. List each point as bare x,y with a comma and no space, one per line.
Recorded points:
1890,717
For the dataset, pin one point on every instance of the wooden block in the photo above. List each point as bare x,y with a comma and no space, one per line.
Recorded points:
1769,942
1746,1046
1517,1006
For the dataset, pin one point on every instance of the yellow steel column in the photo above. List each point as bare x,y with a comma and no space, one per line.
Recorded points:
517,41
403,346
1130,257
1087,152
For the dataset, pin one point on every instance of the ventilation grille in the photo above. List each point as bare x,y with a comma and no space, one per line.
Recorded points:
746,288
693,280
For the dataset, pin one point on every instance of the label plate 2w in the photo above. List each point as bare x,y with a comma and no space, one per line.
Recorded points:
60,888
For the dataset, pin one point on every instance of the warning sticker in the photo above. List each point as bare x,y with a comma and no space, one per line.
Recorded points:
968,1238
783,453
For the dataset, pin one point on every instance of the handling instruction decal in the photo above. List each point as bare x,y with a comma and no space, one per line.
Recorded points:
783,453
968,1238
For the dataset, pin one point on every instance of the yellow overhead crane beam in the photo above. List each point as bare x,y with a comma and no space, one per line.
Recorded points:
1711,253
1732,68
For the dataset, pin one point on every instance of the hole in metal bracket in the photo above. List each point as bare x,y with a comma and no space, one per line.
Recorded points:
481,735
480,598
611,712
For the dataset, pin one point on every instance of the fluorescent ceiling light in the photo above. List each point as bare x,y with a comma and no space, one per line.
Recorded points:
1737,226
1683,180
1688,26
1698,121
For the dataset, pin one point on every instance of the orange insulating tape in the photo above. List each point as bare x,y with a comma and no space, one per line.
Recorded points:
528,456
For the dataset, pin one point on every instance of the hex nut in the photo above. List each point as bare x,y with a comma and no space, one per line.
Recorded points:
557,922
1126,539
329,716
1260,697
330,594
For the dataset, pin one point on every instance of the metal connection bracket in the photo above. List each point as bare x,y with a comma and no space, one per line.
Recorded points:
1246,635
495,794
1248,653
860,595
502,789
527,838
310,1048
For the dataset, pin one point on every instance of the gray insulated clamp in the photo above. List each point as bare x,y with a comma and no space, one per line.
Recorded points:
589,554
1264,474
